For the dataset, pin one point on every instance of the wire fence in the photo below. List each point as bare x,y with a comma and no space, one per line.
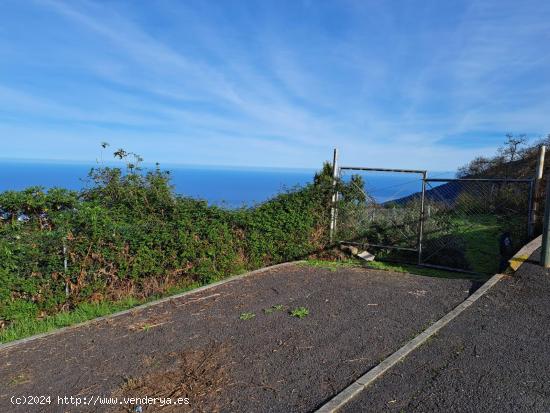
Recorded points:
475,225
460,224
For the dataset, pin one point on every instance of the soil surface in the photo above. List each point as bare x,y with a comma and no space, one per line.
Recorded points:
493,357
199,347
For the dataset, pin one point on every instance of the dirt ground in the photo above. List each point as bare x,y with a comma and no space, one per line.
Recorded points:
200,347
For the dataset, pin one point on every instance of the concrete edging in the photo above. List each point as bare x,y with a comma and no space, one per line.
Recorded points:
362,382
524,253
146,305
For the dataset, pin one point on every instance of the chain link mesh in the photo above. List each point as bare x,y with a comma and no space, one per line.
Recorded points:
468,225
474,225
379,210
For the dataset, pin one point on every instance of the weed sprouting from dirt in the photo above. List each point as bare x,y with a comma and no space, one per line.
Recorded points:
273,308
300,312
247,316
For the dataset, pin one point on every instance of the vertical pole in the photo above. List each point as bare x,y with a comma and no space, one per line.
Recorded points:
534,213
530,215
545,251
65,266
334,195
421,221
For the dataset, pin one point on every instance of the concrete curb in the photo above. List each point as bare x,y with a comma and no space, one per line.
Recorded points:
524,253
362,382
146,305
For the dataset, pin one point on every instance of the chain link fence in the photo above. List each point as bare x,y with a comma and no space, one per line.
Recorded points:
470,225
475,225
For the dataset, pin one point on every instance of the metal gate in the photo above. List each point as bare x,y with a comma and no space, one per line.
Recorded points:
380,208
470,225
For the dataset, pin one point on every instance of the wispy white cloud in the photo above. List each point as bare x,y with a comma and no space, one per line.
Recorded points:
281,83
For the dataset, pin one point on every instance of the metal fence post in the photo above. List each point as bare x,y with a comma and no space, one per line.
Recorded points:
545,251
334,195
534,215
530,211
65,266
421,222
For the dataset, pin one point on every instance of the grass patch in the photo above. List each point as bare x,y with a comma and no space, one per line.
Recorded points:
481,237
83,312
387,266
331,265
414,269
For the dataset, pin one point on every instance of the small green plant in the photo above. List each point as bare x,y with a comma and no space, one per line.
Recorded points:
273,308
146,327
300,312
247,316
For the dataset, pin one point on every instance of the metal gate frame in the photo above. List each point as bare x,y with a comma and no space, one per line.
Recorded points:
337,173
334,212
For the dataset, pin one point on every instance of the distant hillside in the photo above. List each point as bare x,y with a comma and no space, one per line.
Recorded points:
515,159
446,192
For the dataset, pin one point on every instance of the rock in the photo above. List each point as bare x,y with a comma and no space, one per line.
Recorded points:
367,256
350,248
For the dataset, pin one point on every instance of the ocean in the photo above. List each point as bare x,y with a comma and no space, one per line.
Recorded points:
228,187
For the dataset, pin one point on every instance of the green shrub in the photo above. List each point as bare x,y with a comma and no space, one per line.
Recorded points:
127,234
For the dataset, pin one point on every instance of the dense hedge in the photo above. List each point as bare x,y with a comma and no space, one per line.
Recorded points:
128,234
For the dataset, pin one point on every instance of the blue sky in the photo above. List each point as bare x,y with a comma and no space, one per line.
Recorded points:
424,84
